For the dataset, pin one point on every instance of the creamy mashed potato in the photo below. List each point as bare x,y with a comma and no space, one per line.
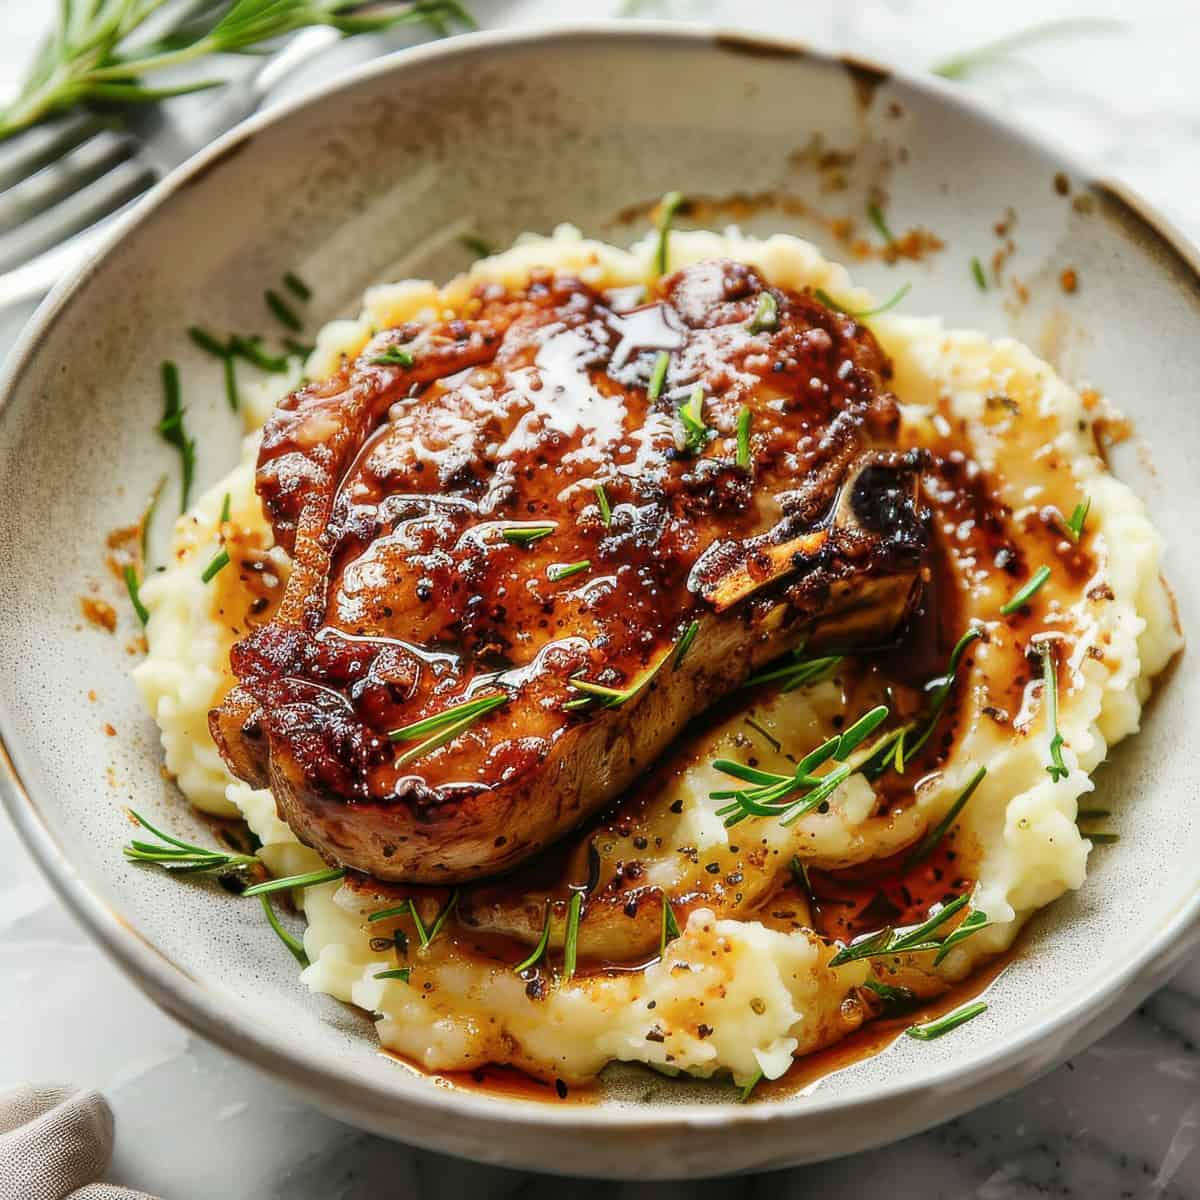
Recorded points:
735,992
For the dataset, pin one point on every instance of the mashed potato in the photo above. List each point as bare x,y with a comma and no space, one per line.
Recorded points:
734,993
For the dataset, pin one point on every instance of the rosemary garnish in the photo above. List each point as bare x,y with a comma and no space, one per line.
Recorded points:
444,726
540,948
571,937
913,940
670,927
876,217
1031,588
226,504
251,349
891,996
745,416
183,858
1092,814
961,65
526,535
935,1029
401,973
973,922
691,413
1056,767
668,206
605,507
558,571
1103,839
766,315
443,913
744,1095
797,672
308,879
978,275
476,245
297,286
393,356
684,645
861,314
292,943
219,563
929,842
133,587
1079,514
282,311
407,909
171,430
148,518
658,375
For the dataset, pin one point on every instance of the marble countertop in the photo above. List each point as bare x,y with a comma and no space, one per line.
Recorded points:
1120,1120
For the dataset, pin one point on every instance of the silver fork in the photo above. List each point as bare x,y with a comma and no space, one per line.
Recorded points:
63,183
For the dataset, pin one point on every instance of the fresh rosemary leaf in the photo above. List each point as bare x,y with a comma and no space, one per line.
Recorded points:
745,416
605,507
133,587
207,342
766,315
935,1029
294,945
526,535
668,206
171,430
219,563
930,841
401,973
891,996
978,275
1078,516
540,948
309,879
684,645
1056,767
407,909
229,374
691,413
443,913
1025,594
297,286
610,697
251,349
939,690
444,726
557,571
913,940
393,356
183,857
972,923
282,311
658,375
861,314
795,673
744,1095
571,936
670,927
226,503
876,217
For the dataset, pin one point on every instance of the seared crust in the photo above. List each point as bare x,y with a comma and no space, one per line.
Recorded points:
392,486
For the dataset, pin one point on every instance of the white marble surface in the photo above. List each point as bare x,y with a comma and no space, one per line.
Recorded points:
1121,1120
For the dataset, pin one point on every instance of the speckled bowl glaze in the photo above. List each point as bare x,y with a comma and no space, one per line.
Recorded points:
378,176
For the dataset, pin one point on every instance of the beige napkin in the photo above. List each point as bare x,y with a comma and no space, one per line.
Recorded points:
54,1142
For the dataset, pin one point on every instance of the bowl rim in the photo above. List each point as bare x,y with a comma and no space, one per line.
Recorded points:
325,1082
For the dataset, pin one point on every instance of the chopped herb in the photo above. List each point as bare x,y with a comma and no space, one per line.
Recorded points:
935,1029
558,571
801,879
972,923
443,913
251,349
219,563
767,737
610,697
668,206
540,948
691,413
913,940
797,672
1031,588
754,1082
148,517
308,879
861,314
183,858
1104,839
207,342
476,245
963,64
293,944
297,286
669,929
401,973
605,507
876,217
1093,814
766,315
745,416
225,506
658,375
526,535
930,841
407,909
571,937
171,430
133,587
1078,516
979,276
1056,767
684,645
444,726
891,996
393,356
282,311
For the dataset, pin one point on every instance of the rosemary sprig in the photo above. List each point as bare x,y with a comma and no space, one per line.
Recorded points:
133,586
961,65
1032,586
766,315
913,940
443,914
227,353
95,54
401,973
797,672
219,563
171,430
557,571
148,518
668,206
526,535
393,356
1104,839
939,690
861,314
978,275
876,217
294,945
539,949
444,726
746,1091
605,506
288,882
1056,767
658,375
891,996
571,936
183,858
251,349
670,927
1079,514
282,311
973,922
930,841
684,645
691,414
935,1029
745,416
297,286
407,909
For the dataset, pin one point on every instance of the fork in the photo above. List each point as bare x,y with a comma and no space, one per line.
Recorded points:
63,183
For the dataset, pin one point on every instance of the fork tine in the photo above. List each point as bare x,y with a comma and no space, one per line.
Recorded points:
78,210
54,182
41,145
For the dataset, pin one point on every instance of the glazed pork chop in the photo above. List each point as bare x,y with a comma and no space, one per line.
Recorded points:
532,540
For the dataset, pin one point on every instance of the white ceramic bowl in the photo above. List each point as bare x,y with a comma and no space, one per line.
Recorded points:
375,177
